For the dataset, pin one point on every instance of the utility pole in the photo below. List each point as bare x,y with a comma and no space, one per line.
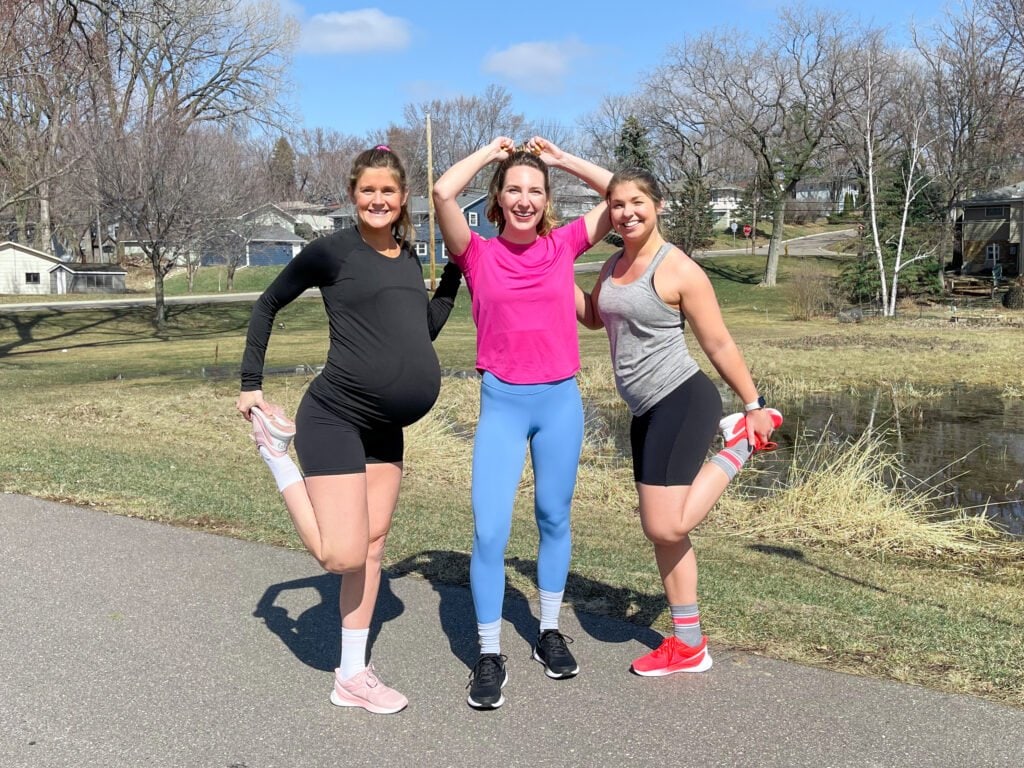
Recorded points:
430,205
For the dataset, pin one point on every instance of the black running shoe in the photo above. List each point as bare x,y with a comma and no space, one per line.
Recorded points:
486,681
551,651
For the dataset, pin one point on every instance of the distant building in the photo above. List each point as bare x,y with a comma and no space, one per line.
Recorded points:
991,229
25,271
473,207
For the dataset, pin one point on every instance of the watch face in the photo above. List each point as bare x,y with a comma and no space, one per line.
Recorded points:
761,402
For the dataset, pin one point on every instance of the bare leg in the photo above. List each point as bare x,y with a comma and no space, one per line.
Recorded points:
359,588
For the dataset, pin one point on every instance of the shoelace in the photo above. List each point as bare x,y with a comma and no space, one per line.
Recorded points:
554,642
487,670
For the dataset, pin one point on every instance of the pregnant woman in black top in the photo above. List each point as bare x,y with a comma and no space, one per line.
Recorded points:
381,375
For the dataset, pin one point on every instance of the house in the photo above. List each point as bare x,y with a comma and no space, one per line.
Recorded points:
316,217
473,207
991,228
267,235
574,200
725,200
26,271
829,195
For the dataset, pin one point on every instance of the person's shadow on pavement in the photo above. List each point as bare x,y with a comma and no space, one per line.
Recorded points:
314,635
448,573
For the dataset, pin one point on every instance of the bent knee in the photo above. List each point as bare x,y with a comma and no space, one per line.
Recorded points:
661,536
343,562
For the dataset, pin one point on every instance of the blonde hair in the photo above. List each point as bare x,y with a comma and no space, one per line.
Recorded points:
548,221
382,157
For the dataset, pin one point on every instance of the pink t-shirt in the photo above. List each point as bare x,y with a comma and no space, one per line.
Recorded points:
524,304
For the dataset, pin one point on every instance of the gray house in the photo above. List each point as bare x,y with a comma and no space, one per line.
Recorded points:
473,207
991,231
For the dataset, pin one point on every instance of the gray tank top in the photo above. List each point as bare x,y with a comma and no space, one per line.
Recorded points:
649,354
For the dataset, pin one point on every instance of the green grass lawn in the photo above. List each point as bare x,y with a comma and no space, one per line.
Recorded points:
100,409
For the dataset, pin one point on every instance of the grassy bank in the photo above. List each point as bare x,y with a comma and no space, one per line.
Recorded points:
99,410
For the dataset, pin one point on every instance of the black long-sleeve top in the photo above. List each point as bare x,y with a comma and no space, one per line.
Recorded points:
381,366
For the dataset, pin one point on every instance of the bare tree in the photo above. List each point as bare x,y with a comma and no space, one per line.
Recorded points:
975,81
777,97
882,124
323,159
159,71
601,130
40,80
459,127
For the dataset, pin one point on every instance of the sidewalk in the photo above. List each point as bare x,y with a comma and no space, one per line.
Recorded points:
130,643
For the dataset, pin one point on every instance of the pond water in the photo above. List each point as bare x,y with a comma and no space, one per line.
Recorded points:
969,443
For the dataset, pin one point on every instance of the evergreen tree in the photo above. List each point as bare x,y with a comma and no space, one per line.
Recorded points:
281,172
633,150
689,222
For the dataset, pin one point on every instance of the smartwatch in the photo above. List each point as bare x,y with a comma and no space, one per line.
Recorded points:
756,405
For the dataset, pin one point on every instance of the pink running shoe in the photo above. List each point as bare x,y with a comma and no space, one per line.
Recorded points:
672,656
271,429
734,430
366,690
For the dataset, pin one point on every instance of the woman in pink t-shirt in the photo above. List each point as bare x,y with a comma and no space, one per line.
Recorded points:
523,288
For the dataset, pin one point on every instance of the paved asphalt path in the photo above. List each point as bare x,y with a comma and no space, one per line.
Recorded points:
130,643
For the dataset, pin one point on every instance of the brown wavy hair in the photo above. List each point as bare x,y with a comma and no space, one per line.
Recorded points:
382,157
495,215
645,181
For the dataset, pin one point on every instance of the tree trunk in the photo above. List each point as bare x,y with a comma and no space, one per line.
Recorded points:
771,270
160,308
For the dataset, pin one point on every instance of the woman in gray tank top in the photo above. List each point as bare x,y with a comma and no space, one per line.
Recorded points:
643,298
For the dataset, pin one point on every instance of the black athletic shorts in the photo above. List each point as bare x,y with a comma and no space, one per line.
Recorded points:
670,440
327,444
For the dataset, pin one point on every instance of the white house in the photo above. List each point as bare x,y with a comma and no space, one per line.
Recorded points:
24,271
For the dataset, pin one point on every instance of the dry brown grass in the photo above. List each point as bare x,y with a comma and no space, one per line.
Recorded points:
855,497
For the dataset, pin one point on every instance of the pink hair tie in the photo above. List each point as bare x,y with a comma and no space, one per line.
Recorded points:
383,147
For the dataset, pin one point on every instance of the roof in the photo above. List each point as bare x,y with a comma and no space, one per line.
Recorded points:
274,233
79,269
269,207
1009,193
11,245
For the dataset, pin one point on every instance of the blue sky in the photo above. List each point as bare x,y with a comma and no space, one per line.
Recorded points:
358,65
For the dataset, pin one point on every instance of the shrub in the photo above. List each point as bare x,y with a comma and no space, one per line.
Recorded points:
1014,298
812,295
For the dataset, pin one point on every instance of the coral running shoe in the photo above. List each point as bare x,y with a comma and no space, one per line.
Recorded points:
672,656
366,690
271,429
734,430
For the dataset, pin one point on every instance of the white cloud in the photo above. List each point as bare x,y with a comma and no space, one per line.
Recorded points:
540,67
367,29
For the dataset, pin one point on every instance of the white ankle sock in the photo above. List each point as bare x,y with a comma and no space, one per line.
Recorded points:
550,607
282,468
353,651
490,636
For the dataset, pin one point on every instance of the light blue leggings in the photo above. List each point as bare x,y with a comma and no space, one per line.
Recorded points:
548,418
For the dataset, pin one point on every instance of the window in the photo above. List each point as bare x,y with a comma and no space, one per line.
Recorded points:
99,281
995,212
32,278
991,253
421,249
474,218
